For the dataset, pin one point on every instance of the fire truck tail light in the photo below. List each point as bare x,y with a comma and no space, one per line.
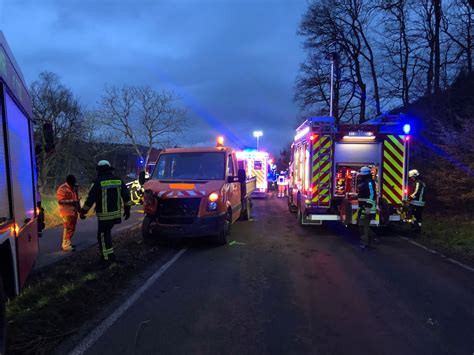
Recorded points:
405,191
407,138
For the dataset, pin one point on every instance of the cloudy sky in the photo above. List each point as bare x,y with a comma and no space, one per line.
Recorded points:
233,62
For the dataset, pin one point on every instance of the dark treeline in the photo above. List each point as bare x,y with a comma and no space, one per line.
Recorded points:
387,53
127,122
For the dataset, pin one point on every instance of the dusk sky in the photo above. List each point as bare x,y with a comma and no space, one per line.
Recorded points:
233,62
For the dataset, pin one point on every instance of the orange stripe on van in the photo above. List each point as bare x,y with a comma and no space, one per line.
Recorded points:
182,186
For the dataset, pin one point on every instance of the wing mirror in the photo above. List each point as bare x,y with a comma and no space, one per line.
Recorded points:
242,175
142,177
48,135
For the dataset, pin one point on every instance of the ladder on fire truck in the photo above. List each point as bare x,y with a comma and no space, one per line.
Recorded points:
323,166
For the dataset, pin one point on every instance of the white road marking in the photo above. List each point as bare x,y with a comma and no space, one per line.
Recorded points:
97,333
464,266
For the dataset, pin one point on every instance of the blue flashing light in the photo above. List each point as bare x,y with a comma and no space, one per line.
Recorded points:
141,161
406,128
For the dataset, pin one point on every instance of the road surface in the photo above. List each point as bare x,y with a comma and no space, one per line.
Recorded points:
285,289
86,236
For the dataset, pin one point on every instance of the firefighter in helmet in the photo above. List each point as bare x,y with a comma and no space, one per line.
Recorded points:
107,193
416,199
367,205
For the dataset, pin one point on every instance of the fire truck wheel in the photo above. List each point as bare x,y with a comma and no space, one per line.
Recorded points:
223,236
292,208
300,217
3,320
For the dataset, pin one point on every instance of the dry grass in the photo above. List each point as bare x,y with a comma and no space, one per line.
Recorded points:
52,306
451,236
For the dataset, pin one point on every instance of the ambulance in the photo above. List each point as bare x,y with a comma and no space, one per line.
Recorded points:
325,162
255,163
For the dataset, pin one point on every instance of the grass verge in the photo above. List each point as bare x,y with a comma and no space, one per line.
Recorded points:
450,236
59,299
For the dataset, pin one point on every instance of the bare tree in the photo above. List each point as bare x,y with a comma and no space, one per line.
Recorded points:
55,104
142,117
342,27
458,25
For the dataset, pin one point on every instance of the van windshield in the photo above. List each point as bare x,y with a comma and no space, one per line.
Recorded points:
190,166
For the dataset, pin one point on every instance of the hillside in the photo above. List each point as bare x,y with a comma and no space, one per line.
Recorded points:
443,147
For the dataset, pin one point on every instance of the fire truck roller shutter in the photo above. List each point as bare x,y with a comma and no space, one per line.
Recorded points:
392,179
362,153
321,170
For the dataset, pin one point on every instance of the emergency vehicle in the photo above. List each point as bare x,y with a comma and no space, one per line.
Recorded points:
255,163
21,216
196,192
325,162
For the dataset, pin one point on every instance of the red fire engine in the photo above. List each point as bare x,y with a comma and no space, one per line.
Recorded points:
21,216
326,159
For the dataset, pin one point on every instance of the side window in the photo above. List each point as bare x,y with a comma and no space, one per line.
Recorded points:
5,213
21,161
230,166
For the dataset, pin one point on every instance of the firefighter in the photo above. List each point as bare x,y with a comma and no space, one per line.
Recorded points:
68,202
107,193
367,205
282,183
416,199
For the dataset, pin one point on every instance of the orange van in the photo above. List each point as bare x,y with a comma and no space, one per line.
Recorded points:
196,192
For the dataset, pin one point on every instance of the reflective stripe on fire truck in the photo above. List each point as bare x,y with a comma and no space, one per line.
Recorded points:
392,179
261,182
322,164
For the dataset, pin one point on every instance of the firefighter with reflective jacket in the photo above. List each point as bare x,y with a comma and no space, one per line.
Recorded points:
68,202
416,199
367,205
107,193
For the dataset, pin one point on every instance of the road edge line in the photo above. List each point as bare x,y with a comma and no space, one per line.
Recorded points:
451,260
98,331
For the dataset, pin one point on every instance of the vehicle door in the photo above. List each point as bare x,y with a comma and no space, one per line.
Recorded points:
22,186
233,187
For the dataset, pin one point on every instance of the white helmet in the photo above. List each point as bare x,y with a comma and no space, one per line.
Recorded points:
365,170
413,173
103,165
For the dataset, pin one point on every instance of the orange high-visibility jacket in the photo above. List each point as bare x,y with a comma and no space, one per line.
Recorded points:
67,200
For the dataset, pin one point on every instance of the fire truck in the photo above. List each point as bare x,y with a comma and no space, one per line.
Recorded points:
327,157
255,163
21,215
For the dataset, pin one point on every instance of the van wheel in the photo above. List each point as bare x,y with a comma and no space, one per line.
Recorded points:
3,319
245,215
147,234
224,234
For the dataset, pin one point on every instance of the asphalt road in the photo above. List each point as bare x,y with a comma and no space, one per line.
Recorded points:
85,236
285,289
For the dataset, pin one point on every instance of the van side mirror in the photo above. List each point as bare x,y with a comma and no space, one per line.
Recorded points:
141,177
242,175
48,135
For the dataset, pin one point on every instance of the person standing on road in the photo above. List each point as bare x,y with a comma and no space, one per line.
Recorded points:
108,193
68,201
367,205
417,199
282,183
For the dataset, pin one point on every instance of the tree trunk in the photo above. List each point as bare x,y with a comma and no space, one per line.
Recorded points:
437,49
363,99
